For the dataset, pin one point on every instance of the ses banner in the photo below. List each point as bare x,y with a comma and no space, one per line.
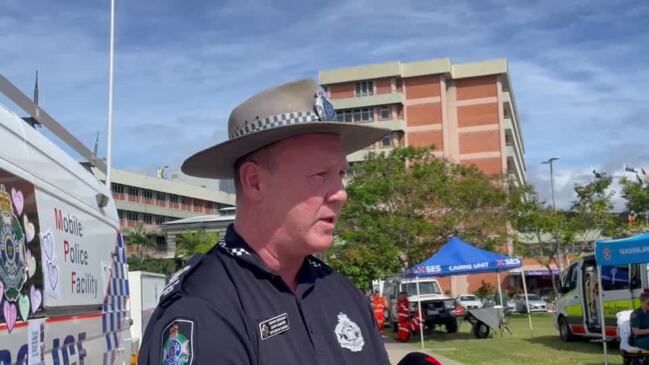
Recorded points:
632,250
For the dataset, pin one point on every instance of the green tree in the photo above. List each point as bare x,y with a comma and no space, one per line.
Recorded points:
593,211
636,194
139,237
542,233
195,242
150,264
403,205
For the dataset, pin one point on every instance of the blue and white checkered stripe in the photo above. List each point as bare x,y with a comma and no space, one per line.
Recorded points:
279,120
115,308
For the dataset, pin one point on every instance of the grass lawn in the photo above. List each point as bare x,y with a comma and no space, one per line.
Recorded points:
544,348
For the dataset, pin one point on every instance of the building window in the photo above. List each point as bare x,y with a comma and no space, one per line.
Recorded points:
132,191
356,115
148,219
364,88
120,214
385,112
174,199
160,241
117,188
147,194
131,216
160,196
387,140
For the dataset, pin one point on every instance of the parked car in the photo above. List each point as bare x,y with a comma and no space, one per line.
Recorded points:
536,303
469,301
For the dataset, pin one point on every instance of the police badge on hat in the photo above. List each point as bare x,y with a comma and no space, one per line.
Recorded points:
349,334
323,106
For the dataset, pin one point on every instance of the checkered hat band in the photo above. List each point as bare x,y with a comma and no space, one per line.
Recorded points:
279,120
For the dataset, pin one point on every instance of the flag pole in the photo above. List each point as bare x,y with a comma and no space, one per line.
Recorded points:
419,315
109,133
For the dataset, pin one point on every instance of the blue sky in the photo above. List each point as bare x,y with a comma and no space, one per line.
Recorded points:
578,68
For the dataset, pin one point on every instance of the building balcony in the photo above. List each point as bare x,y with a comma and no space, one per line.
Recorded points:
515,167
514,142
365,101
154,209
392,124
362,154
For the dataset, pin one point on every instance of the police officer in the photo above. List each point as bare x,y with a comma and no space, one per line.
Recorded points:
259,296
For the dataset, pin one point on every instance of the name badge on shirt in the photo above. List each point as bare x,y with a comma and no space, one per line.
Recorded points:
273,326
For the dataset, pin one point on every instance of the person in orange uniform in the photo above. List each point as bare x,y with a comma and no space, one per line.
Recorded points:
403,314
378,304
417,320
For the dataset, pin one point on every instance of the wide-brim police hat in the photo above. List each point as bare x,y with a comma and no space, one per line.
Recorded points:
288,110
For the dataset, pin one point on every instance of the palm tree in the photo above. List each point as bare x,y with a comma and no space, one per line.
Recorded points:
195,242
138,236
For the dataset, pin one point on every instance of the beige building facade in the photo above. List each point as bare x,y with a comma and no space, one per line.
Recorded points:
467,111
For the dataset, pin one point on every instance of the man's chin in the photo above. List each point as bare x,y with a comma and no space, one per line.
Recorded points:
321,244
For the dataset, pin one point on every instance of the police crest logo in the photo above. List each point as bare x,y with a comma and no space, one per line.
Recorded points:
349,334
177,347
12,248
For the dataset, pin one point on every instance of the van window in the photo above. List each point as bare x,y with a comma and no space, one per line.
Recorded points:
617,277
426,287
569,281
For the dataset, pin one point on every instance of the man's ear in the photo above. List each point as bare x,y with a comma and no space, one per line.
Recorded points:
250,178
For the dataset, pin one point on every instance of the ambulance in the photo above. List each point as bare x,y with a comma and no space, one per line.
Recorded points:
578,308
63,274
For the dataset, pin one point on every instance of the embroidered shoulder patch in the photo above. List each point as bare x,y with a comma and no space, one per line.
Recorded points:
177,343
173,288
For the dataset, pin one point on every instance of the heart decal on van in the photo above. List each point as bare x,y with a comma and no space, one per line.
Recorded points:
47,240
53,275
19,200
36,297
30,231
9,311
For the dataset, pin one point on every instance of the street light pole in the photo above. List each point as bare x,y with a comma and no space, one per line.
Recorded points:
549,162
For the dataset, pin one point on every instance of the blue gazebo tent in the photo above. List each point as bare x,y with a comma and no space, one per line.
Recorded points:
458,257
631,250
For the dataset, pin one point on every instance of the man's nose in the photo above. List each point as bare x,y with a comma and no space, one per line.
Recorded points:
338,194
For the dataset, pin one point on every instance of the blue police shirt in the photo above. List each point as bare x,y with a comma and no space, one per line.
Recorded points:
227,307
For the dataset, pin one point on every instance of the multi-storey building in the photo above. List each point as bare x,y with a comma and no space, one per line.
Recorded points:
467,111
152,201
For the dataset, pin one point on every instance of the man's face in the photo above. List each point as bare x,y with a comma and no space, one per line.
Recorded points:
305,192
644,304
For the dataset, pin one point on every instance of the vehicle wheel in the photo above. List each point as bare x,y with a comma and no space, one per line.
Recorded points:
564,331
451,326
481,330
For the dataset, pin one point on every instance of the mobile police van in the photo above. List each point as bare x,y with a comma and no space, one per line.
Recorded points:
63,274
578,308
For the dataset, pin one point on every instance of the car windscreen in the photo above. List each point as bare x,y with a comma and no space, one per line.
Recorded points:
468,297
533,297
426,287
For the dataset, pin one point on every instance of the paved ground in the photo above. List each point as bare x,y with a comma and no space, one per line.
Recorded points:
397,350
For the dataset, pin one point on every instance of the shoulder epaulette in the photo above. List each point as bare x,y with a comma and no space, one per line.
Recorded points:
316,263
173,289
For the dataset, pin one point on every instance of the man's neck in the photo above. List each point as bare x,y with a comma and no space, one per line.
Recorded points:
287,267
